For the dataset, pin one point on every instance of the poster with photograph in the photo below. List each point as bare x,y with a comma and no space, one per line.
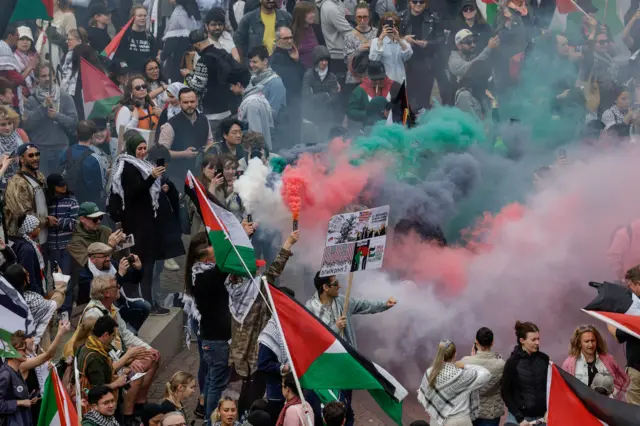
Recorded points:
355,241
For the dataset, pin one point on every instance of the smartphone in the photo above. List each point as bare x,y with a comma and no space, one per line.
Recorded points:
217,172
160,162
389,23
249,218
118,226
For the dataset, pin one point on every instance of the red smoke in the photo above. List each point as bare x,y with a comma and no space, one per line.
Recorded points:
320,186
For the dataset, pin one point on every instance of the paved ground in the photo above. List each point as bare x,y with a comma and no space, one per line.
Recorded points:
366,410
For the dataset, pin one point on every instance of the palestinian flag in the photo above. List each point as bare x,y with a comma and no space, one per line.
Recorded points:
323,360
112,47
14,315
402,98
57,408
225,232
572,403
489,9
99,93
616,305
25,10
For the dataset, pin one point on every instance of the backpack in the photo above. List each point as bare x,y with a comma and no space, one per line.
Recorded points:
115,207
71,169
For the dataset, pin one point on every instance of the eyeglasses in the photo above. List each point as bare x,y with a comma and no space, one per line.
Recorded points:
140,87
362,17
33,155
96,219
469,42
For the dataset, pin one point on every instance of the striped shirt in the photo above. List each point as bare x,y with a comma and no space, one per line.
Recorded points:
65,209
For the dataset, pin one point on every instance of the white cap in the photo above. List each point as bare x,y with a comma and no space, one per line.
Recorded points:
462,34
25,32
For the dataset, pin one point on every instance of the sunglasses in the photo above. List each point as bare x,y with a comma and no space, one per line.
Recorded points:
33,155
140,87
469,42
418,1
334,284
96,219
468,9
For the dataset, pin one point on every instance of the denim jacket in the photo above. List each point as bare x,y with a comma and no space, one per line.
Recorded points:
251,29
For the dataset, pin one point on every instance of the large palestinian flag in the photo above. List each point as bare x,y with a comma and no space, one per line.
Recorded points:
323,360
99,93
572,403
616,305
224,231
14,315
57,408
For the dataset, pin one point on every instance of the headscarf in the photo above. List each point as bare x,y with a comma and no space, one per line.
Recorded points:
8,61
174,89
132,143
30,223
143,166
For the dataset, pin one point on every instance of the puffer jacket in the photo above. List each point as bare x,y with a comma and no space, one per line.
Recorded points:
524,384
491,405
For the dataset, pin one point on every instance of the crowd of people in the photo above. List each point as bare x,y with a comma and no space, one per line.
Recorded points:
93,206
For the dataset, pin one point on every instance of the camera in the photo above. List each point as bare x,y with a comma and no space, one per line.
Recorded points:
131,259
255,153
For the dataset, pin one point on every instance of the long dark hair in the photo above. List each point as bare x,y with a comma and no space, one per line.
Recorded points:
144,71
84,51
191,7
298,23
479,19
16,276
197,249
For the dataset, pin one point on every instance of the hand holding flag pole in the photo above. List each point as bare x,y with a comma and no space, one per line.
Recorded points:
307,415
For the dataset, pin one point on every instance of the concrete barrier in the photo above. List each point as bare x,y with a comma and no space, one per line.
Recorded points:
164,333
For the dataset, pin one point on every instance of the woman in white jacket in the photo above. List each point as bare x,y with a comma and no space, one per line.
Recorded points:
449,389
390,48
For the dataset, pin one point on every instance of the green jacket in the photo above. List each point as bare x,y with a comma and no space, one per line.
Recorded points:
95,367
83,238
357,107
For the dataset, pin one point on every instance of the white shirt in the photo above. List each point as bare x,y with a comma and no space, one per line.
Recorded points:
224,42
392,56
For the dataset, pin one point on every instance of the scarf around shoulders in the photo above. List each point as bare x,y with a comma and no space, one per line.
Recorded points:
8,61
100,420
271,337
293,401
263,77
145,168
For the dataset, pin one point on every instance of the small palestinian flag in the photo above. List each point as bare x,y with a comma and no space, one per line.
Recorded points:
14,315
324,361
99,93
572,403
225,232
25,10
57,409
616,305
113,45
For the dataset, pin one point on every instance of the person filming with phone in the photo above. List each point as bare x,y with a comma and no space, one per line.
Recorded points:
390,48
193,134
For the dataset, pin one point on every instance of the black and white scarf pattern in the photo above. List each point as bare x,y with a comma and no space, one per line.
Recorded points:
242,295
271,337
8,60
30,223
42,310
145,168
451,381
101,420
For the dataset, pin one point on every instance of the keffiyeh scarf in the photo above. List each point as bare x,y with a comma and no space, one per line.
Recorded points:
9,144
242,295
8,60
451,382
23,63
263,77
271,337
174,89
145,168
30,223
100,420
40,94
42,310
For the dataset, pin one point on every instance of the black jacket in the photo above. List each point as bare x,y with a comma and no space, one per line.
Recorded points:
291,72
524,384
432,31
212,300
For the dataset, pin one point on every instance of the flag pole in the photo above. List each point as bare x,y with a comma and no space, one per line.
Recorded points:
76,374
287,352
580,9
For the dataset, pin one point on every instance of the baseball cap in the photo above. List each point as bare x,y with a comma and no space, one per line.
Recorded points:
98,248
462,35
55,179
89,209
98,9
24,147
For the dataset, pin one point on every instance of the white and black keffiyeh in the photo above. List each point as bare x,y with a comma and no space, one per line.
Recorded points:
8,60
101,420
451,382
242,295
30,223
271,337
145,168
42,310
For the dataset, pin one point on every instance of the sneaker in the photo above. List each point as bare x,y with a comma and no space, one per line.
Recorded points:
158,310
171,265
199,411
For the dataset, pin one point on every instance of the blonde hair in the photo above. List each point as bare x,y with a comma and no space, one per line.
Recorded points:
215,416
19,340
7,113
181,378
446,352
99,285
574,346
134,9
